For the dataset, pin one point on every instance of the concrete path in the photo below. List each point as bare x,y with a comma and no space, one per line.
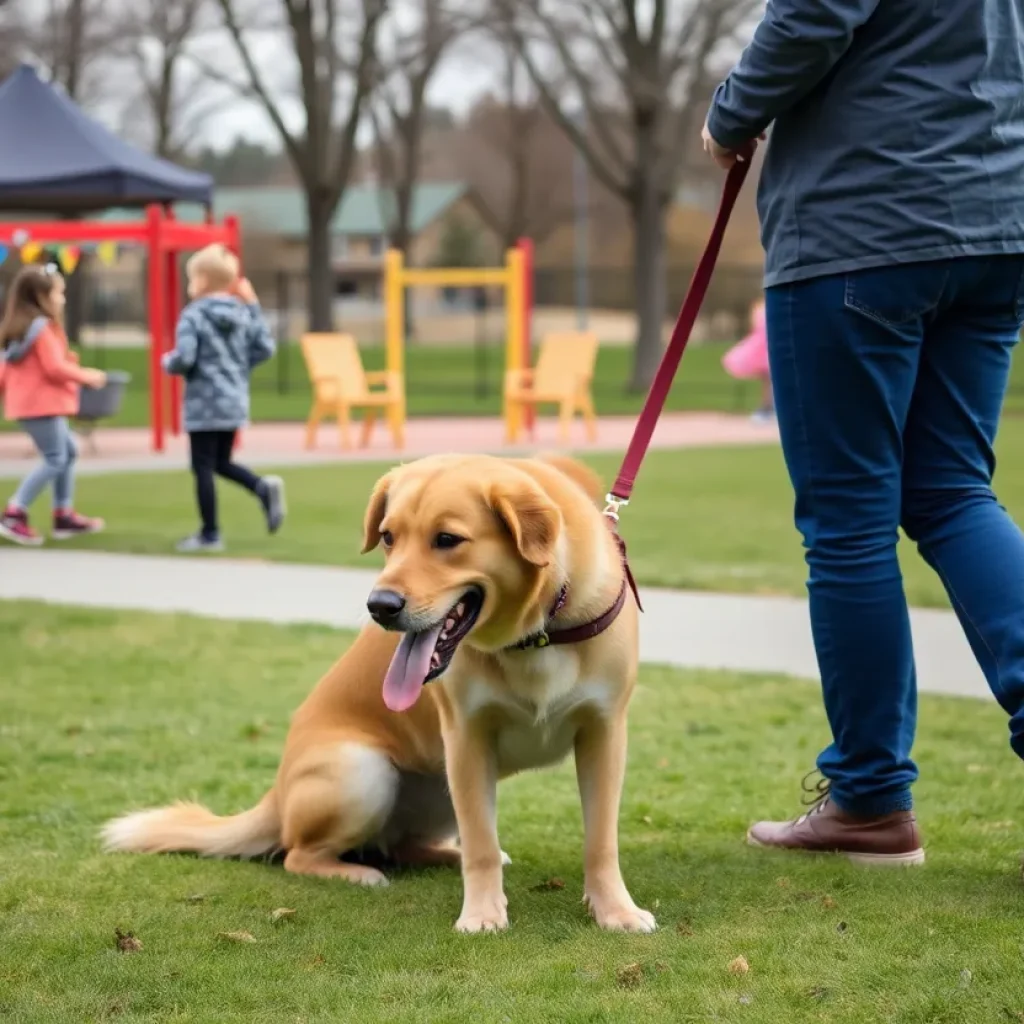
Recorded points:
688,630
125,450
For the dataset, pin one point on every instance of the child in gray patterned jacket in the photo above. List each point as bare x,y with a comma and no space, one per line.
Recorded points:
221,336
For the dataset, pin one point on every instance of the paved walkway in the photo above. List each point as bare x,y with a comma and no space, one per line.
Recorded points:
688,630
127,450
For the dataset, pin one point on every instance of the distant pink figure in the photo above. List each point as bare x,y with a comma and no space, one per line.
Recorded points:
748,360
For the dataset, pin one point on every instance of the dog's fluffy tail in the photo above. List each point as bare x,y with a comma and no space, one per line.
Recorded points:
190,828
580,473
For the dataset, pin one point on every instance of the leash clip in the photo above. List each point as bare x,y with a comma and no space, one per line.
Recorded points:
611,509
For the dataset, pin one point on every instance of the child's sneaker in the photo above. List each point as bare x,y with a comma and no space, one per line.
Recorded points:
198,543
271,495
14,527
70,524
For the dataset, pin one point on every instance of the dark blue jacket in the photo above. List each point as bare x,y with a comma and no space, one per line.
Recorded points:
218,342
898,131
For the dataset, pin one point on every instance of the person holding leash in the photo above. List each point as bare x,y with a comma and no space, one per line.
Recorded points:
892,211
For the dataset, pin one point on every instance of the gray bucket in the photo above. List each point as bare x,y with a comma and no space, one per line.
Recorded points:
102,403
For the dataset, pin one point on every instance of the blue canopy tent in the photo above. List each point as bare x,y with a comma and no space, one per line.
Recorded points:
55,159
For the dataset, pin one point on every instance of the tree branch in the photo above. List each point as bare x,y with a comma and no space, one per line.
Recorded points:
295,147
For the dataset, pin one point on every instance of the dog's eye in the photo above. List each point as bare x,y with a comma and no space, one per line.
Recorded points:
447,541
387,538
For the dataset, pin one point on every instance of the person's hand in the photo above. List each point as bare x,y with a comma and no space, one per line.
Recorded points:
725,158
94,379
73,356
245,291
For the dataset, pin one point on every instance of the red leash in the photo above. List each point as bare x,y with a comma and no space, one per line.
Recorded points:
655,401
622,490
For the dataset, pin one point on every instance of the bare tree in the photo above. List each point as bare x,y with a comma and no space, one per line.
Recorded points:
157,38
399,108
636,70
333,43
12,42
68,39
516,157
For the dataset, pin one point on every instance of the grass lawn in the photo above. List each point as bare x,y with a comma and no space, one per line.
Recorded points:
443,381
709,519
103,712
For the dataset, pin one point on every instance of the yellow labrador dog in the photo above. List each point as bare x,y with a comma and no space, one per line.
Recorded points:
504,584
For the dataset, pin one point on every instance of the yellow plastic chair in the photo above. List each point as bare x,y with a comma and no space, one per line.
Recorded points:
341,384
563,376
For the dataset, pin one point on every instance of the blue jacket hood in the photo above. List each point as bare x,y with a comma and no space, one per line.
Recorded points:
17,350
224,312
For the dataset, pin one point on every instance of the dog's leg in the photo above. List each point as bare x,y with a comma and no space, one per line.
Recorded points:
430,855
334,802
473,778
600,770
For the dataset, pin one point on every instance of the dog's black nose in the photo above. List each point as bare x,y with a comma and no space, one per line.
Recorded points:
385,606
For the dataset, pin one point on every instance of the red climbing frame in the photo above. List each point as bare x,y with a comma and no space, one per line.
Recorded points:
165,239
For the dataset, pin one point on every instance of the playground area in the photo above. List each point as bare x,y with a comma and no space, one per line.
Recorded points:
134,675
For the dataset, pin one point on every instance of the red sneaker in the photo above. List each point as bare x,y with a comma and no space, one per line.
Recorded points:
14,527
70,524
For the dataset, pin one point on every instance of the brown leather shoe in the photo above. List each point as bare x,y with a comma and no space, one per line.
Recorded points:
888,841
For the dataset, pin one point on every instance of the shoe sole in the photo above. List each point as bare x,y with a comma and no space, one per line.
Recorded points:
874,860
71,534
277,503
210,549
16,538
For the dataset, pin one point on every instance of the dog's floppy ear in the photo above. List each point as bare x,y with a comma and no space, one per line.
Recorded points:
375,511
530,516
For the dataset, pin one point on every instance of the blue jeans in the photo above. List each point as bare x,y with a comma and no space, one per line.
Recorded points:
888,389
52,437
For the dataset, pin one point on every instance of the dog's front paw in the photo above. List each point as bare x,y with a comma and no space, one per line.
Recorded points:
622,917
489,915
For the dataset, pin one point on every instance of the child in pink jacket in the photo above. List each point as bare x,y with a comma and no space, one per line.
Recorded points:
39,379
748,360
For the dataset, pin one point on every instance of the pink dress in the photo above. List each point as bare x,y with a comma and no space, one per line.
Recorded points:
748,359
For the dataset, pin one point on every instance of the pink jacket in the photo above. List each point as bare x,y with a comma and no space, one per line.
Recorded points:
748,359
40,375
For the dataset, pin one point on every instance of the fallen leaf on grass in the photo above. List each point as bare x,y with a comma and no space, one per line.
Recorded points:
739,966
660,966
280,914
684,928
828,903
746,1000
663,763
126,942
549,885
629,976
255,730
818,992
195,897
647,819
966,978
236,936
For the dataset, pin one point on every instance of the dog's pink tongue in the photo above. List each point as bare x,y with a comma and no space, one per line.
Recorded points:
409,669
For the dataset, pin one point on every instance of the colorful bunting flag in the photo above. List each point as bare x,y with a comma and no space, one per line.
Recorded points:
30,252
4,253
69,255
107,253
